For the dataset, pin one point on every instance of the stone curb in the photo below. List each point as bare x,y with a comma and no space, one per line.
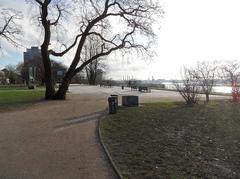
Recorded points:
112,163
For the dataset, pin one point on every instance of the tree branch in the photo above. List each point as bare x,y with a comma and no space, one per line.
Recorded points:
59,54
117,47
103,39
39,2
77,70
11,29
59,15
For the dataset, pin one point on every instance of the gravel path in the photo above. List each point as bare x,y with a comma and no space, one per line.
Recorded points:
47,141
58,139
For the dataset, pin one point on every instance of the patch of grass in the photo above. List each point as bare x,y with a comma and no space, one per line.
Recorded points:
17,87
172,140
15,98
13,87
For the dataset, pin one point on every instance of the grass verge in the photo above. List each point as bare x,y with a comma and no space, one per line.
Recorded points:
10,99
172,140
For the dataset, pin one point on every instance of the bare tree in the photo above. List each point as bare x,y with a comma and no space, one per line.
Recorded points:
12,74
230,71
95,68
22,70
94,71
95,19
189,88
205,73
10,27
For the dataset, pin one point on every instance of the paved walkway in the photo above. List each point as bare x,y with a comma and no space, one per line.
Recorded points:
58,139
47,141
154,96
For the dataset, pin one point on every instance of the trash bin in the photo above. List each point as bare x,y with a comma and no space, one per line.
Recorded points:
116,99
31,86
112,105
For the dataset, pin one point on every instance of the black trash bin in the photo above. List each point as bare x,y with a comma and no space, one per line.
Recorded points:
31,86
116,99
112,105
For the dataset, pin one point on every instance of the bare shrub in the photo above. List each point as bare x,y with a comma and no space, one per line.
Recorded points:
188,88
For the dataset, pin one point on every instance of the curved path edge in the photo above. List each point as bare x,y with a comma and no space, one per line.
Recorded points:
112,163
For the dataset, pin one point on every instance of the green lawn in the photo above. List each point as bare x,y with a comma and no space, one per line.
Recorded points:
172,140
11,98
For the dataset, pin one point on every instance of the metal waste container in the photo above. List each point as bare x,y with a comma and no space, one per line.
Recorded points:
112,105
116,99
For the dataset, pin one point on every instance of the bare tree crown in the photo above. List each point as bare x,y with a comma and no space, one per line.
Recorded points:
188,88
205,74
95,20
10,26
230,71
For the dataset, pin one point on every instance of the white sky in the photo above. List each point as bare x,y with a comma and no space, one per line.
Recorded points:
192,30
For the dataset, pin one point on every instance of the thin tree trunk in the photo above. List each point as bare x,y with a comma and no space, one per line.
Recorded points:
207,97
92,79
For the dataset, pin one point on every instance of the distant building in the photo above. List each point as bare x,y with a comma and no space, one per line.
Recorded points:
32,59
32,54
34,68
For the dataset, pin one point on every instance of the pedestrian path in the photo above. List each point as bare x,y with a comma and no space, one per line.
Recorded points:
54,140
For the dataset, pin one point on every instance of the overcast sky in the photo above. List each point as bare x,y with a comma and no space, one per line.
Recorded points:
191,31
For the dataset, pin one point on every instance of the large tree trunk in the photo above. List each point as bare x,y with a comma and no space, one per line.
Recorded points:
50,90
61,93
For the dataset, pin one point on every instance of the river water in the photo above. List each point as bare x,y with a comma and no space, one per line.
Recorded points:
217,89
